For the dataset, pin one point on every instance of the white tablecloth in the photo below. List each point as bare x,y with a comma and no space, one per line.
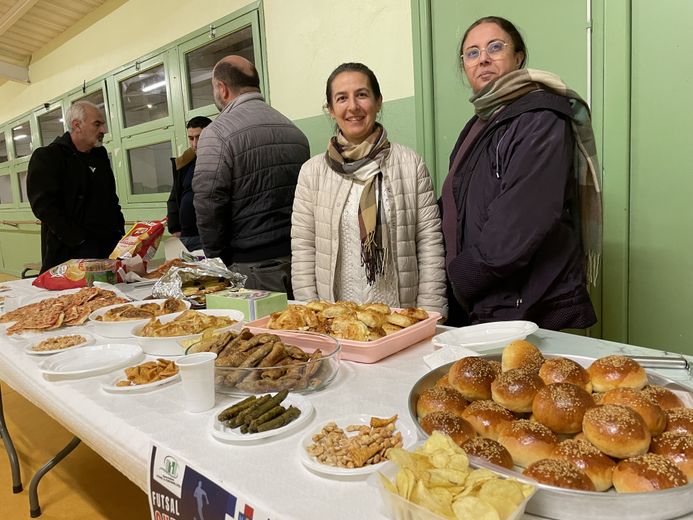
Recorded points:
122,428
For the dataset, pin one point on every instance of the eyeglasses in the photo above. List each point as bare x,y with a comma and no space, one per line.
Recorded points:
493,50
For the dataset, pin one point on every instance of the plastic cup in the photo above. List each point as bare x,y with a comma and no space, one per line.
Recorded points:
197,377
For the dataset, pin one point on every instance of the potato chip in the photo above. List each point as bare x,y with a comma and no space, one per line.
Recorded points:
473,508
440,441
414,461
503,495
437,476
425,498
447,477
477,477
405,482
387,484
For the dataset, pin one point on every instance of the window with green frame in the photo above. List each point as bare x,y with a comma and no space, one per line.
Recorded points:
4,157
146,104
21,139
6,195
21,176
51,125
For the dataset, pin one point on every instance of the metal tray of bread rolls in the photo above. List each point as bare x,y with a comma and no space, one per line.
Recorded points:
568,504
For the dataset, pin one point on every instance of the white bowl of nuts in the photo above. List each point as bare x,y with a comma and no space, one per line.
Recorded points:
355,445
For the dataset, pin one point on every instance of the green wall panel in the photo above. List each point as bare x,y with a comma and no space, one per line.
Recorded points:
559,46
660,293
18,247
397,116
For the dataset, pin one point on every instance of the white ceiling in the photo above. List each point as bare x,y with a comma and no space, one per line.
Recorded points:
30,27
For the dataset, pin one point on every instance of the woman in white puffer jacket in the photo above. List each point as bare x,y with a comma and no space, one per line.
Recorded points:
365,223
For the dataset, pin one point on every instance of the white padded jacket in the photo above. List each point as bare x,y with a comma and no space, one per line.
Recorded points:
416,240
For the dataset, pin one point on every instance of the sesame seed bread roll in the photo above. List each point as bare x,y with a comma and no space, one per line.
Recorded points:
516,388
472,377
564,370
678,448
616,430
487,417
489,450
679,420
455,427
652,413
597,466
443,381
528,441
559,473
440,399
561,407
521,354
664,397
616,371
648,472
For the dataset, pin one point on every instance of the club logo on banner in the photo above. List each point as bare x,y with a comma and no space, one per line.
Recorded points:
179,492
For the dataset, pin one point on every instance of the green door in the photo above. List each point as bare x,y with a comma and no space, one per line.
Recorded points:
660,295
555,35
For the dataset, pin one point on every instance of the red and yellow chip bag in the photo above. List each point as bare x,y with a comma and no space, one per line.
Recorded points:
142,240
75,273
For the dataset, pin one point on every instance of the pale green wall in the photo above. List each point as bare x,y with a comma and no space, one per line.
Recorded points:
398,118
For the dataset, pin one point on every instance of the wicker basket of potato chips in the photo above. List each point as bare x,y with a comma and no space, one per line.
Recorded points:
434,481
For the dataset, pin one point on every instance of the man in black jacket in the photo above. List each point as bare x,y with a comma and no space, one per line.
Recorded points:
72,191
181,212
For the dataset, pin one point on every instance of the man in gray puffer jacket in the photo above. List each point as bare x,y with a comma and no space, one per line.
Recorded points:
248,161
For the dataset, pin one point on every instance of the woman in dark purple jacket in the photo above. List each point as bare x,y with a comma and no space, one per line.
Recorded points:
521,202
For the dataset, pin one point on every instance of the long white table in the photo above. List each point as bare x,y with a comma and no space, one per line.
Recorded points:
122,428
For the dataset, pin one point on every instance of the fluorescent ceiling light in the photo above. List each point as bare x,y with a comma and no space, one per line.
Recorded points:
18,127
19,137
154,86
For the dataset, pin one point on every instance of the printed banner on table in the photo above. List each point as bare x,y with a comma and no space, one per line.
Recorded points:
178,492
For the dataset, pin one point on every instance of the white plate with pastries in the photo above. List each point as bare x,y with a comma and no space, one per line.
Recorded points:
486,335
224,433
402,425
114,388
51,344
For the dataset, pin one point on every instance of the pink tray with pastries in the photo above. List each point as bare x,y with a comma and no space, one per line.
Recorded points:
370,351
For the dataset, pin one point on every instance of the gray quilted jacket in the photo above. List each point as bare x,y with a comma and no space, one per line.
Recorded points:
415,236
248,161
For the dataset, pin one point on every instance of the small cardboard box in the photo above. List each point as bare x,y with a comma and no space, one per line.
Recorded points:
253,304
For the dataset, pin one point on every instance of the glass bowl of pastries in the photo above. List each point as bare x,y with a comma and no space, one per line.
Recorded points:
164,336
117,321
249,363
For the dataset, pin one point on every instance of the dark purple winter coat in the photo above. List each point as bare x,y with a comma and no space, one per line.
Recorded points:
518,253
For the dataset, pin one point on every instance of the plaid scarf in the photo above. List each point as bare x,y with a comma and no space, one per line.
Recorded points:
362,163
516,84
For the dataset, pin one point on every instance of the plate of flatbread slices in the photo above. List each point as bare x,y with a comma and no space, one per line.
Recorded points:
68,309
58,343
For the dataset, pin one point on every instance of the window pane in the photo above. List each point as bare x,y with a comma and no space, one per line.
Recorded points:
150,168
23,197
51,125
96,98
201,62
21,135
144,97
3,147
5,189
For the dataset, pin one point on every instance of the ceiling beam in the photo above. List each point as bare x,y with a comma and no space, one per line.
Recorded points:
14,72
18,10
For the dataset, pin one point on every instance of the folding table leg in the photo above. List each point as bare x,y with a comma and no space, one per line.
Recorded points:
11,452
34,506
